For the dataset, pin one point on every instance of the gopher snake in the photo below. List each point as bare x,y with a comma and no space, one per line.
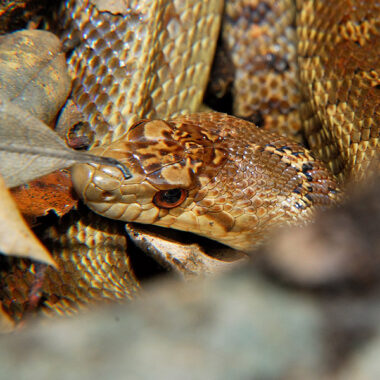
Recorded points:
233,182
152,61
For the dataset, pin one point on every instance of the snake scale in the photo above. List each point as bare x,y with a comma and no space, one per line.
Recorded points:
151,60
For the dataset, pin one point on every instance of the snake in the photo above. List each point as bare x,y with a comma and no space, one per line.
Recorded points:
139,74
208,173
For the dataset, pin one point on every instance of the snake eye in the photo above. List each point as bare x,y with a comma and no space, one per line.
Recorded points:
169,198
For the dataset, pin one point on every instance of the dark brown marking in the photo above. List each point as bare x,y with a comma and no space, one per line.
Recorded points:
308,177
153,167
309,197
306,167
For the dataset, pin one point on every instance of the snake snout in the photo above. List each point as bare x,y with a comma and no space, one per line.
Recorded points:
94,184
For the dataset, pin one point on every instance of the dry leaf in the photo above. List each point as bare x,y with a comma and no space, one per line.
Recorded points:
51,192
15,236
30,149
33,73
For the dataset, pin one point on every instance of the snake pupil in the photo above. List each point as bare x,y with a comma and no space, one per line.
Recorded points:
170,198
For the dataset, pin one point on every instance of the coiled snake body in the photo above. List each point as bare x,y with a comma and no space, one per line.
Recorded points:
211,173
234,182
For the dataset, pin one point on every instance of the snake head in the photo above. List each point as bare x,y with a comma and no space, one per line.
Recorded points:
209,173
169,163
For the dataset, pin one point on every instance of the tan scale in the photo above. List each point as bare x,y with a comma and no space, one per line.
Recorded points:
92,266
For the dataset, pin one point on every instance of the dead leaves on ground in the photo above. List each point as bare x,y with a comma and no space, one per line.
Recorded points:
30,149
33,73
34,85
52,192
15,236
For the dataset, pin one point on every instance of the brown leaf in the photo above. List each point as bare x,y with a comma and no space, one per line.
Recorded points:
33,73
51,192
15,236
29,148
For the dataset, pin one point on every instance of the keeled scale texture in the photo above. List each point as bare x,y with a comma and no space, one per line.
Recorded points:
338,50
152,62
339,73
260,37
92,262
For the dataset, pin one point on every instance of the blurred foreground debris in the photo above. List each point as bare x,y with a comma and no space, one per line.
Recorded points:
236,326
343,244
